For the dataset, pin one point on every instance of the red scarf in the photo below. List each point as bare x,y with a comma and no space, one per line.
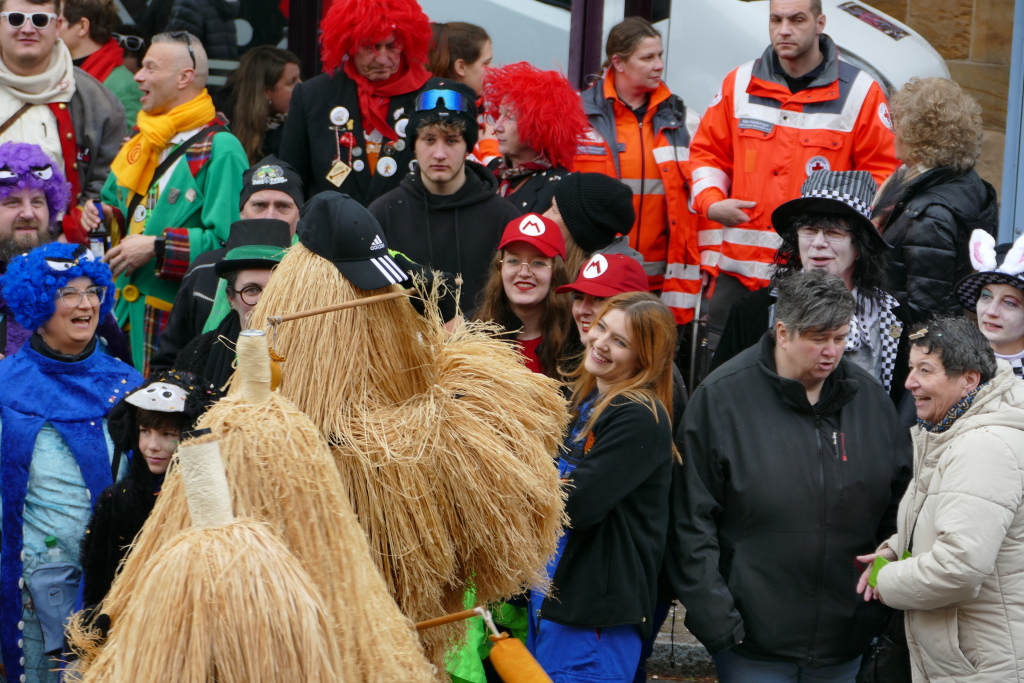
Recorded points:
375,96
100,63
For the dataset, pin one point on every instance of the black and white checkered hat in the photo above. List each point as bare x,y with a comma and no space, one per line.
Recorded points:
848,194
984,255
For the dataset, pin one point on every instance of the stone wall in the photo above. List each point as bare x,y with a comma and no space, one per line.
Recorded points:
975,38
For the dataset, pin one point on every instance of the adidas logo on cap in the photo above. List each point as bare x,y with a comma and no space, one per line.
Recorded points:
377,243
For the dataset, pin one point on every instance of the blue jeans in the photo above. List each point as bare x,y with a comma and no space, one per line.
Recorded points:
735,668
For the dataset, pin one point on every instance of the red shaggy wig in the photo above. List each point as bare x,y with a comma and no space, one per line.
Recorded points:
350,24
548,110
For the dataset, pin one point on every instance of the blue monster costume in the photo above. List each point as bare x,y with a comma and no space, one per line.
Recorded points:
55,452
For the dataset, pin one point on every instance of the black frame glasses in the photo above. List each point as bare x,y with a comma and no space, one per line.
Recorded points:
18,19
96,295
178,35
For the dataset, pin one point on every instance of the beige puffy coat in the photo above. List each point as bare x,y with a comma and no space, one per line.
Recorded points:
963,589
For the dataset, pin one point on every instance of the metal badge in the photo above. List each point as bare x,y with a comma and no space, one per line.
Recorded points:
140,214
339,116
358,165
339,171
190,195
400,127
399,145
172,195
387,166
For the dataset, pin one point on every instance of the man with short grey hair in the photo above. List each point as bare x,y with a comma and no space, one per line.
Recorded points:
795,463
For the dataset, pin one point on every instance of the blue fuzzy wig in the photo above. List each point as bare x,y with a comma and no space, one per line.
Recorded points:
24,166
32,281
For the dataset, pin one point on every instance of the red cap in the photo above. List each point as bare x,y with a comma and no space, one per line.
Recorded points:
606,275
534,229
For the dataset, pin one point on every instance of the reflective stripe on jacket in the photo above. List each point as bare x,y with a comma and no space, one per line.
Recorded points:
652,158
758,141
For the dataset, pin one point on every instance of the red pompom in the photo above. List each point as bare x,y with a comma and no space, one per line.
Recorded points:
350,24
548,110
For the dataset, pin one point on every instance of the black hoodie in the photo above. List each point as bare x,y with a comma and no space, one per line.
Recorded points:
455,233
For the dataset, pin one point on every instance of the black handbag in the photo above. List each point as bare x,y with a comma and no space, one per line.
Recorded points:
887,659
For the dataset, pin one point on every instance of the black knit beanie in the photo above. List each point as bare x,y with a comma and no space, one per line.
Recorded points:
595,208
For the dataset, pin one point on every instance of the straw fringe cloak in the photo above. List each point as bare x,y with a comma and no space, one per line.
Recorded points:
444,443
280,471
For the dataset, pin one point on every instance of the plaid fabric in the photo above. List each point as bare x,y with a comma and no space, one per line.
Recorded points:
199,153
174,262
153,327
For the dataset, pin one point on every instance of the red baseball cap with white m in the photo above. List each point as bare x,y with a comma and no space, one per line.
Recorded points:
536,230
606,275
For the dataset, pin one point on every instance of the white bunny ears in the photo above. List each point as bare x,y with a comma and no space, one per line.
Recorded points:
984,257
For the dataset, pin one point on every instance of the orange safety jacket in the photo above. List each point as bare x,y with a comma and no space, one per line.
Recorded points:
651,158
758,142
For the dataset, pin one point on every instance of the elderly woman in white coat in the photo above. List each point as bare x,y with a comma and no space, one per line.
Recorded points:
960,539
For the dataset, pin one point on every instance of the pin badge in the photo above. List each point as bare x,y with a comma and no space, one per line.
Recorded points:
140,214
190,195
399,145
339,171
358,165
339,116
357,152
172,195
387,166
398,113
412,166
400,127
895,330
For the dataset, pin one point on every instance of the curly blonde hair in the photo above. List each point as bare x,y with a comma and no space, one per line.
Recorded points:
938,123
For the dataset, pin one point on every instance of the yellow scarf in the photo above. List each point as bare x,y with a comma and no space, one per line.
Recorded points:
139,158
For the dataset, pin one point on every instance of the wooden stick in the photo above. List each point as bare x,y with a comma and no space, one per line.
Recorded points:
446,619
278,319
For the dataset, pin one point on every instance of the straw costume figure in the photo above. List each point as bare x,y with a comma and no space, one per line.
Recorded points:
223,600
443,442
280,471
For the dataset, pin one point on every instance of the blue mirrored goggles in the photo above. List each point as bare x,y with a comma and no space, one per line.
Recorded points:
452,101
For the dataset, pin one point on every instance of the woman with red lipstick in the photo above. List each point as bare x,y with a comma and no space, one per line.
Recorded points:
617,467
520,291
996,294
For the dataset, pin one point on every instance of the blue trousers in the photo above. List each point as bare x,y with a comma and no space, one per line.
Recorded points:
735,668
572,654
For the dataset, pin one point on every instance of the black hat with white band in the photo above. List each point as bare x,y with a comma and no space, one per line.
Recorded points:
845,194
341,230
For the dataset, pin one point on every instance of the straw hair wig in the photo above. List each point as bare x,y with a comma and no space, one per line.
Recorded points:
443,442
280,471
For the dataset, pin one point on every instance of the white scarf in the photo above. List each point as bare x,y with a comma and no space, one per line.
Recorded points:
56,84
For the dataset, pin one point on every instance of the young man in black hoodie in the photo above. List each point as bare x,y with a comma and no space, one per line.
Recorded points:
445,213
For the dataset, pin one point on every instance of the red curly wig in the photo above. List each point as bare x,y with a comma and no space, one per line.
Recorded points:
350,24
548,110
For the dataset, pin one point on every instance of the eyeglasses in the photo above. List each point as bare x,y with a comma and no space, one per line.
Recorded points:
178,35
514,264
452,101
132,43
249,296
72,297
39,19
505,115
831,234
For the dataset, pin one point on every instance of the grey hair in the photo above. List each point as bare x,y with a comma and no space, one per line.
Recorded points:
202,62
960,345
814,301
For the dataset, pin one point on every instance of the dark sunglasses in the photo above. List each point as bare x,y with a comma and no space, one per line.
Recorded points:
132,43
452,101
178,35
39,19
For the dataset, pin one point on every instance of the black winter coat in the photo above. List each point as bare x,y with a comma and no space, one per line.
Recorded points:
537,191
780,497
618,510
929,230
192,306
309,144
456,233
212,21
121,511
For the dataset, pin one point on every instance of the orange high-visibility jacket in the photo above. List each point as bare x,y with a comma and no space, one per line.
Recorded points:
758,142
651,157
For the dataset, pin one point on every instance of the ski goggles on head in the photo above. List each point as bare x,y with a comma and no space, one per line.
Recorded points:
452,101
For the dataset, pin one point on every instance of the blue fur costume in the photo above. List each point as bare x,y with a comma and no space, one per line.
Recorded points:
55,454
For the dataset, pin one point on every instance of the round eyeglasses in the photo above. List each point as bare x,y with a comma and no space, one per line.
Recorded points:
512,263
249,296
72,297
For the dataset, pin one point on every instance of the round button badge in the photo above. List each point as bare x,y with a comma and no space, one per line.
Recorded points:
339,116
387,166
